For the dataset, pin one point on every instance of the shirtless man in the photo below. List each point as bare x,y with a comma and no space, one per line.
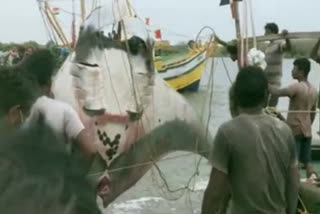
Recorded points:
253,156
303,97
314,53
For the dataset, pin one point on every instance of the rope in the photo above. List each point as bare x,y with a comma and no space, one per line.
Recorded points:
227,71
298,111
162,177
187,186
305,210
129,61
144,164
152,162
93,5
49,34
204,28
108,67
69,12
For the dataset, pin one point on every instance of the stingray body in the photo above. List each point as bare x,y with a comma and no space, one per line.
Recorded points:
134,117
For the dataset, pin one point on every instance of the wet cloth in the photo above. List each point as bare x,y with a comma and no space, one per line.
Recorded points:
273,71
256,152
273,57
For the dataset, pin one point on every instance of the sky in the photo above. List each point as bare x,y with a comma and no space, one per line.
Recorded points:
20,20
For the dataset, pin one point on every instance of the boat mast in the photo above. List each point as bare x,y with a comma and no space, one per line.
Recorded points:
236,16
55,24
83,10
73,25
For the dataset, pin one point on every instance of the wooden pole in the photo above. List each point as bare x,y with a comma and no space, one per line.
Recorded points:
73,25
235,6
129,8
83,11
294,35
54,26
57,26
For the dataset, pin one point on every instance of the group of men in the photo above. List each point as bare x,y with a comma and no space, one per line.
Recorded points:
255,156
31,120
13,56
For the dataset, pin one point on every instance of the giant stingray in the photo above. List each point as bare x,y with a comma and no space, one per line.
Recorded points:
133,116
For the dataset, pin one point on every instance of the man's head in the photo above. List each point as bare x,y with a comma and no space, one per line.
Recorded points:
192,44
41,66
233,51
301,68
250,88
17,95
39,177
28,51
271,28
14,51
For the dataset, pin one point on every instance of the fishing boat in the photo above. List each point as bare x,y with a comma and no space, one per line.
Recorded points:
183,73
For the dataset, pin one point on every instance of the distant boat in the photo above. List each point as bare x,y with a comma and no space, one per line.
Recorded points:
183,73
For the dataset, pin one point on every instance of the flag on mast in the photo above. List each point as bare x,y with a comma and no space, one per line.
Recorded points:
148,21
158,34
56,11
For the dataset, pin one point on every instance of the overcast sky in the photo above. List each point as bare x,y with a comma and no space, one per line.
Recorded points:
20,20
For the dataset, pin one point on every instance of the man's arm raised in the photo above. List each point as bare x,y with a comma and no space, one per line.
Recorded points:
314,53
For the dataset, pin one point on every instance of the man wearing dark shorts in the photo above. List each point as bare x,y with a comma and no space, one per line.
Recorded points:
303,101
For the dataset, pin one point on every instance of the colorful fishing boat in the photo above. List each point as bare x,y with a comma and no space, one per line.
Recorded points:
183,73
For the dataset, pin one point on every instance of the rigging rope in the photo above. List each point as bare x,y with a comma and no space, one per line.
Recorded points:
197,162
145,163
107,66
227,71
152,162
129,60
50,35
162,177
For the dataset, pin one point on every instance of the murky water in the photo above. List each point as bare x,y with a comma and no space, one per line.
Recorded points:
150,194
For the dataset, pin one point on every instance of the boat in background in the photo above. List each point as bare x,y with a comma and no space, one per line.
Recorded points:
183,72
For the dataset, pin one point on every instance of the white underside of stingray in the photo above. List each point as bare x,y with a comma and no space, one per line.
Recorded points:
114,86
123,85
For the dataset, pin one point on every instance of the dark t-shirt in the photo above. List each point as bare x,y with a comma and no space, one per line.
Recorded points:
256,152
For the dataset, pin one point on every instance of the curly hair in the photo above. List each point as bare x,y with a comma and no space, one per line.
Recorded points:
273,27
40,65
15,90
250,87
303,64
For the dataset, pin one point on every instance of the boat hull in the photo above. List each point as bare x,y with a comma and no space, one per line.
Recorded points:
185,75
